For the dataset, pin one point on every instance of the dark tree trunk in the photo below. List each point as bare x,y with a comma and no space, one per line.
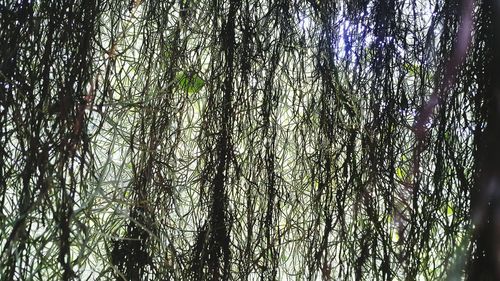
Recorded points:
485,259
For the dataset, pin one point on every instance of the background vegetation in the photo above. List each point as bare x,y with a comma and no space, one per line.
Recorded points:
249,139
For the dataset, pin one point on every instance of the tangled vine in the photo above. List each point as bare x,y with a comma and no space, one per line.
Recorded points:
249,140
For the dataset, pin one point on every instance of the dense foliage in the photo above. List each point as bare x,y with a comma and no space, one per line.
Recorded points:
249,139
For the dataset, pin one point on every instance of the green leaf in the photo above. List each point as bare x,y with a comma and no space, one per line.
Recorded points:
400,174
389,219
191,83
449,211
411,68
447,136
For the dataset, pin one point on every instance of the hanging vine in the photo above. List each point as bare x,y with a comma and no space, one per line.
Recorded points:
245,140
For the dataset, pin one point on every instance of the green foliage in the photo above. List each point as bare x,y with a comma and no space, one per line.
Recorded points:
241,140
190,83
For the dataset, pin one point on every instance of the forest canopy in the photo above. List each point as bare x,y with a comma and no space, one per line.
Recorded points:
249,140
